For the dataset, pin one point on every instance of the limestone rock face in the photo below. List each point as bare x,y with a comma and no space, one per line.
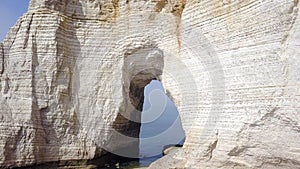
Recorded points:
72,74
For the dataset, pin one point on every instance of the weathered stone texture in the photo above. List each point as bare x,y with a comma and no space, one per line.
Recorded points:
231,67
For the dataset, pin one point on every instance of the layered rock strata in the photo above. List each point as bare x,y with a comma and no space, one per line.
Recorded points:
72,74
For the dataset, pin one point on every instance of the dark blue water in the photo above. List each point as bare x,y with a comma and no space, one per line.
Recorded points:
162,124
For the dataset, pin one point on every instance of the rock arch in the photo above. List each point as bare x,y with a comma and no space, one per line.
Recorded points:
256,43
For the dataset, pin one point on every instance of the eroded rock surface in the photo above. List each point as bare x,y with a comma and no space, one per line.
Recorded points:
71,71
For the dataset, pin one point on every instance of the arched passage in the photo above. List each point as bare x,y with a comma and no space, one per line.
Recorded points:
142,114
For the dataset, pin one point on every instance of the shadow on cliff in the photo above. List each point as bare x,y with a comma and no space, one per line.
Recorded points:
57,123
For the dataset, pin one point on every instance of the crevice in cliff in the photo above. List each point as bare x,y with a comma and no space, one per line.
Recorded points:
28,31
178,34
177,11
39,141
19,24
160,5
2,59
43,112
116,9
237,150
65,78
176,8
270,114
212,146
6,85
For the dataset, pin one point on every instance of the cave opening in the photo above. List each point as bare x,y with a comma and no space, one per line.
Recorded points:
161,126
148,115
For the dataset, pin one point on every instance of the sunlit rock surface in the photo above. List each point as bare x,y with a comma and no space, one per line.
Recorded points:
72,72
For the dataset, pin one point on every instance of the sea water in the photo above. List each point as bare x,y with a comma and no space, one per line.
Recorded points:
165,130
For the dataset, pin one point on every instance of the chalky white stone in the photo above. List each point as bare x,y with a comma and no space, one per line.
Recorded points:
70,68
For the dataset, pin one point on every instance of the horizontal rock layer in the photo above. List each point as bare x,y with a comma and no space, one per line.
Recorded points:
72,73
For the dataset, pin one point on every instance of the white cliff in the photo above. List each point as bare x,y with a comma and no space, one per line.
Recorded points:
72,72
